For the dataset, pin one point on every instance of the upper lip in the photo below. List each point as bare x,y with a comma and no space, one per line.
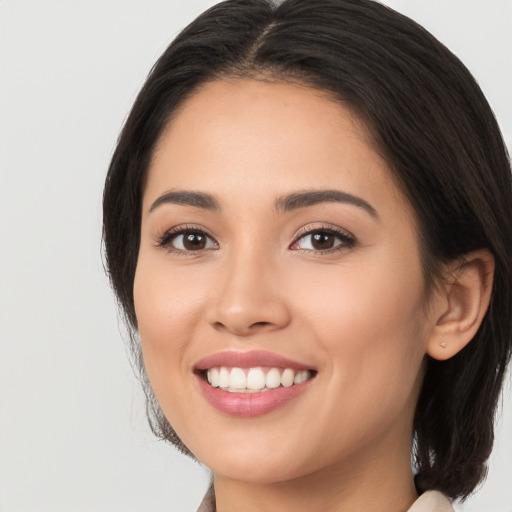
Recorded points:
251,359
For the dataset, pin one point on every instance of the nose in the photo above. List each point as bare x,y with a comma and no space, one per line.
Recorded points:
249,297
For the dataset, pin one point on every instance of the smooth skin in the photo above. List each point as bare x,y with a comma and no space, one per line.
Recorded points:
353,307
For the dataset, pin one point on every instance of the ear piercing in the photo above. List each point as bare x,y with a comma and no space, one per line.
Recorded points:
443,344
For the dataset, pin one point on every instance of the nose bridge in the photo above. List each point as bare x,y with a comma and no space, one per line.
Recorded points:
248,298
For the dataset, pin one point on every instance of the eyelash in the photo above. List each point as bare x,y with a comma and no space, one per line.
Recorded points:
347,240
165,240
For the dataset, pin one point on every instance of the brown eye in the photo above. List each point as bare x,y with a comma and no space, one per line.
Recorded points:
323,240
188,241
194,241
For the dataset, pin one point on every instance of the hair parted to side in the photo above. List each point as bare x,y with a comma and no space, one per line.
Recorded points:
429,120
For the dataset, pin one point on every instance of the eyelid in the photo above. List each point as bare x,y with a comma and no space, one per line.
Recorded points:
347,238
164,240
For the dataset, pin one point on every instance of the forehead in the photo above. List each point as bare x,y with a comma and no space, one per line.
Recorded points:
248,137
238,108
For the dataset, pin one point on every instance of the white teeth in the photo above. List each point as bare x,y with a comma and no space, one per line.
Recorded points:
254,380
301,376
273,378
213,377
287,378
237,379
223,378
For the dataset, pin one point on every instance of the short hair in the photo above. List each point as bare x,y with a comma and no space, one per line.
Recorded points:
430,121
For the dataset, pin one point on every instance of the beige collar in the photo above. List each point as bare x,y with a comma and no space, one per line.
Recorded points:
430,501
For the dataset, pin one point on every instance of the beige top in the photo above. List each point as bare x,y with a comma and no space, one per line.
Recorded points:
430,501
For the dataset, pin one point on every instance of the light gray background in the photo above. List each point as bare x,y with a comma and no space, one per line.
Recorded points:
73,435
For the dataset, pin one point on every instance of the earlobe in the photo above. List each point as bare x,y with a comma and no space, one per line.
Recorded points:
463,303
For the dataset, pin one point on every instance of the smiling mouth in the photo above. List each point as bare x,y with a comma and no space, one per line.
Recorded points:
252,383
254,380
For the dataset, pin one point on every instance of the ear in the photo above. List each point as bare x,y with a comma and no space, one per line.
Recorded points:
461,304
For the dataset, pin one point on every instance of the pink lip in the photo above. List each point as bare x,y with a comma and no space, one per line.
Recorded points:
249,404
251,359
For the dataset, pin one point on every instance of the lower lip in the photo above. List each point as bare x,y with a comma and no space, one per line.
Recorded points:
250,404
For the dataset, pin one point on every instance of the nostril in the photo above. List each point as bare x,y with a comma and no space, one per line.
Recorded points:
240,329
260,324
247,313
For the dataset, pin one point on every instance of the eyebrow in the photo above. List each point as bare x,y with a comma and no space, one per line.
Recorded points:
197,199
283,204
313,197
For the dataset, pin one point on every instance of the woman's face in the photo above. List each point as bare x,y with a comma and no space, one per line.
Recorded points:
276,248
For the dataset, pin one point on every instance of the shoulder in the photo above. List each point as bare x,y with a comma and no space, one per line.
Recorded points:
432,501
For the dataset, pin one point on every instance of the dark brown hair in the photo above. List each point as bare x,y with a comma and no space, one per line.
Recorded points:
427,117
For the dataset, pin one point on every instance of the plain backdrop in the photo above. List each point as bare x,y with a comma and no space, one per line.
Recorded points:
73,434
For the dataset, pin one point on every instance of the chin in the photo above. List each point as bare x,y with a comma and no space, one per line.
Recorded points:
255,473
256,464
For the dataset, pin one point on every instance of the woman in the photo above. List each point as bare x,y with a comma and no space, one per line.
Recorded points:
307,222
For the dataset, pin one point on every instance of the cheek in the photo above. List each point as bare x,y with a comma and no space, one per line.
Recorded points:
167,310
371,324
376,296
